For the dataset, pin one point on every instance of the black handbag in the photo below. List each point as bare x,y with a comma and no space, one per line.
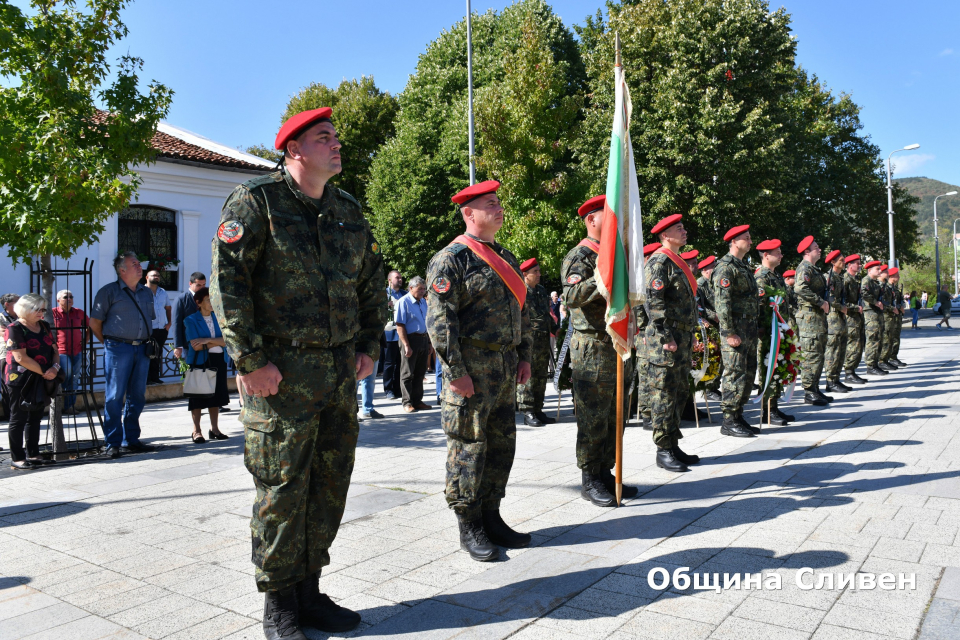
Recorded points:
33,394
150,347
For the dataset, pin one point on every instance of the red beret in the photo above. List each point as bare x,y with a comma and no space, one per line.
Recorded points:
707,262
833,255
893,271
529,264
789,273
884,268
872,264
851,258
651,248
298,123
690,255
666,223
475,191
593,204
733,233
804,244
768,245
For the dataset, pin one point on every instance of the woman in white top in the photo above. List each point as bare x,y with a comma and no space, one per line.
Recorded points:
205,346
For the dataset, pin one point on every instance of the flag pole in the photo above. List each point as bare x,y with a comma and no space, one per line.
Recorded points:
473,166
619,447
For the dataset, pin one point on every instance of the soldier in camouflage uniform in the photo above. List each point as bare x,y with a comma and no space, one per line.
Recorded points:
811,288
737,306
871,293
793,305
851,293
890,319
836,323
672,309
593,361
708,314
894,281
479,325
643,385
297,286
768,281
542,324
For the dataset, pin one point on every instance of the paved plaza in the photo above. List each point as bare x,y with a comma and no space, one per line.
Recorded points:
158,545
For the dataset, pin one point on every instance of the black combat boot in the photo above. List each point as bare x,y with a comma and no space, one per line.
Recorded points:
876,371
713,394
824,396
886,366
731,427
647,423
897,361
783,416
531,420
281,620
685,458
853,378
474,540
690,409
501,534
889,362
814,397
772,417
746,425
668,461
317,610
544,418
610,484
837,387
592,489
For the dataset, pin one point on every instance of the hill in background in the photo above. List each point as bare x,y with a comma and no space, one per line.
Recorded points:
948,209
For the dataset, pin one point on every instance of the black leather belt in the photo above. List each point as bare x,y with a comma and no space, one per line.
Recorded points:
489,346
135,343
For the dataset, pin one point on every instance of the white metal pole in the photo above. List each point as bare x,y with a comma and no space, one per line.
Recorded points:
936,240
473,166
956,281
890,263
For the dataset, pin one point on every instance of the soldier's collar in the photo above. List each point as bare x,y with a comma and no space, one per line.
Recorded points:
470,235
300,195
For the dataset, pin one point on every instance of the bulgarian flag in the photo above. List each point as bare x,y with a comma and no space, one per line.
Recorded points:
620,258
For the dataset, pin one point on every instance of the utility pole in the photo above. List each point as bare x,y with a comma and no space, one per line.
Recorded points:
473,166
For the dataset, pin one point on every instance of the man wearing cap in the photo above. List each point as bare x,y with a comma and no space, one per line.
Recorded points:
672,309
530,395
297,286
643,381
811,288
851,294
890,318
836,323
737,307
705,307
593,363
768,281
479,324
871,292
790,279
894,281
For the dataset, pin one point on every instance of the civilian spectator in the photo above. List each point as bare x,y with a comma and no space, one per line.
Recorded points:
915,308
368,387
411,321
185,306
30,352
122,319
7,316
555,314
161,323
923,300
391,354
205,347
946,303
71,325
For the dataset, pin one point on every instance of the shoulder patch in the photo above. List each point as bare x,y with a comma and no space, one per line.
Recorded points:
806,277
441,284
230,231
724,282
763,292
657,284
375,247
574,278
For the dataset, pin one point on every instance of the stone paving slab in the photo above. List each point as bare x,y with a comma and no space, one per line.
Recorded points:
157,546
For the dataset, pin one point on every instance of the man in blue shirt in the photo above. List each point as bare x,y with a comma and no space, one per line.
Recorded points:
122,319
391,354
411,321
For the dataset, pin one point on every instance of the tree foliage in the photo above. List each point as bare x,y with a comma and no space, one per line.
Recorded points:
364,117
65,166
265,152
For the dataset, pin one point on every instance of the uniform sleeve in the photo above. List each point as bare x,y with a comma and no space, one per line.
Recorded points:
836,291
579,283
525,348
658,283
804,292
231,280
443,323
371,307
723,300
867,292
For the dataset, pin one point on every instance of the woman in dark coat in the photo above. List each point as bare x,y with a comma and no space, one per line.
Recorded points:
205,345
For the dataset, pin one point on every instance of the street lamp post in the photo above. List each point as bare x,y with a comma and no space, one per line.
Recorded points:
936,235
910,147
473,166
956,282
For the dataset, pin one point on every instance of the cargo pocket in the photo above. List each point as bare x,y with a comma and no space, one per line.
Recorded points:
584,358
261,440
459,420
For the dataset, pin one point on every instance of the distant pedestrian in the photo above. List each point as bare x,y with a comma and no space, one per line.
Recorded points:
915,308
7,316
411,321
391,353
122,319
71,324
205,347
185,306
945,307
368,387
161,324
923,300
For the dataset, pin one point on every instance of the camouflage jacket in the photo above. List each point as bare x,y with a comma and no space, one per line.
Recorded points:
705,301
889,304
872,292
671,303
467,299
288,266
898,296
811,286
851,292
587,308
538,304
735,294
767,280
838,293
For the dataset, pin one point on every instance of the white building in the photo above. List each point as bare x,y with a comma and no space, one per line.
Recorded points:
176,214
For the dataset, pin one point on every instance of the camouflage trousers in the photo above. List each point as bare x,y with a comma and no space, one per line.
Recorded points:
299,445
594,366
813,345
669,375
481,432
643,381
739,368
873,330
854,350
836,345
530,395
897,329
890,322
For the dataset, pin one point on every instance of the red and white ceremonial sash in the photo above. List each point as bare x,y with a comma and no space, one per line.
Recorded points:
511,278
680,262
591,244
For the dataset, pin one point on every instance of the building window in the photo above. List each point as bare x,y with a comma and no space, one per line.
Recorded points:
151,232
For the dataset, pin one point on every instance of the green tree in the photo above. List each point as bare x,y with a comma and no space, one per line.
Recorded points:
263,151
529,83
65,166
364,117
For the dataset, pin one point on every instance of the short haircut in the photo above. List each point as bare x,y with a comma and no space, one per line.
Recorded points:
416,281
201,293
62,292
196,275
8,298
120,259
394,271
29,303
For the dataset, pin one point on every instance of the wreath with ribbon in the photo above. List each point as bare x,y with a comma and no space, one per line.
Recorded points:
706,358
779,350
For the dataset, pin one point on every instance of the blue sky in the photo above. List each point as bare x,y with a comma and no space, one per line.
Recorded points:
234,64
